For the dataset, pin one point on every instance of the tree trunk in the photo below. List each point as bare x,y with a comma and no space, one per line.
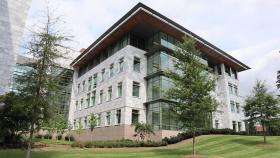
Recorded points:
30,141
193,144
91,136
264,132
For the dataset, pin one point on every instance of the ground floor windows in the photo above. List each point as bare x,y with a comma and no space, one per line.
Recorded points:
217,124
134,116
160,116
118,116
108,118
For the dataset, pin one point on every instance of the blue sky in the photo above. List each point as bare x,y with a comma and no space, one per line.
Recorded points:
249,30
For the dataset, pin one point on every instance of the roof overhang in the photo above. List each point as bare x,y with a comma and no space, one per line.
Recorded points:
143,14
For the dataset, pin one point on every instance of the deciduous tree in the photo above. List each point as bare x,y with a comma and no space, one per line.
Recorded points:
191,93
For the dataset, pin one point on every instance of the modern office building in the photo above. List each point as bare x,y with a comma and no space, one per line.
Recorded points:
119,78
13,14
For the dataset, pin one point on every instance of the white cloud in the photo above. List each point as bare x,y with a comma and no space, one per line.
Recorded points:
264,62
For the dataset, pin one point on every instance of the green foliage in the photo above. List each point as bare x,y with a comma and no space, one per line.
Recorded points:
262,106
92,122
192,88
69,138
278,79
14,119
118,144
142,130
80,128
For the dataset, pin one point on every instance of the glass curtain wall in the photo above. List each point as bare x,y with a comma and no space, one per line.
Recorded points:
161,117
160,61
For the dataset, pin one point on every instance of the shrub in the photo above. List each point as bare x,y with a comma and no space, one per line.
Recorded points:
188,134
77,144
39,136
48,136
120,144
69,137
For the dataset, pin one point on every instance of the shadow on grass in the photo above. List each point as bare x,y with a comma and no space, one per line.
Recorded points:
246,141
12,153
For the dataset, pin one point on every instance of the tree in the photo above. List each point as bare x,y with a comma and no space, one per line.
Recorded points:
262,106
14,119
191,93
80,128
57,124
92,123
142,130
278,79
39,85
69,128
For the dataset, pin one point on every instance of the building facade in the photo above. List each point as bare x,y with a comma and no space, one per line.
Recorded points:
119,78
13,14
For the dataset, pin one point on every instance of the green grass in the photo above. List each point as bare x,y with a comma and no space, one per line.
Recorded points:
212,146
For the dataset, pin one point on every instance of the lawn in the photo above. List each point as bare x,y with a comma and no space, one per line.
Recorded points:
217,146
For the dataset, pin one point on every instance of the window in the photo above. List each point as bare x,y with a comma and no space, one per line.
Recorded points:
235,90
111,73
75,124
93,96
100,96
84,84
94,80
79,88
234,74
88,100
109,96
118,117
227,70
119,89
232,106
216,124
98,120
135,90
82,104
234,125
239,126
230,88
136,64
102,75
89,83
219,69
85,122
108,116
77,106
135,116
237,108
121,65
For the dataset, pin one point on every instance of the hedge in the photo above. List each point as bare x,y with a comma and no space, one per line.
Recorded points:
69,137
188,134
118,144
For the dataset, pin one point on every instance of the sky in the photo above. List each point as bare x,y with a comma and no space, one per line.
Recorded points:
249,30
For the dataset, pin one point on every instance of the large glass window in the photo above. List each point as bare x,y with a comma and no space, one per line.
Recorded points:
77,106
160,61
235,90
161,117
136,89
94,80
99,120
82,104
89,83
157,86
230,88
